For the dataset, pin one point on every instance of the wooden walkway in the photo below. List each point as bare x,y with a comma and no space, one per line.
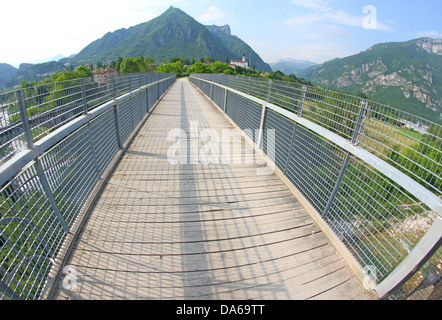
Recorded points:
195,231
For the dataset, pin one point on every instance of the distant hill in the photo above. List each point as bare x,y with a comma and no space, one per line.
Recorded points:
406,75
6,72
237,47
172,34
291,66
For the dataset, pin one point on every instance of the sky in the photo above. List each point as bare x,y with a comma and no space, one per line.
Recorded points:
314,30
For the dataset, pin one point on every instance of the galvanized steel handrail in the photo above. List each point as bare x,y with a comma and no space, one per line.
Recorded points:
364,141
58,156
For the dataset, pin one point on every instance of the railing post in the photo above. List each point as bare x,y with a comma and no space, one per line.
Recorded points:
117,126
261,127
269,90
114,89
225,101
83,95
295,125
47,190
147,99
336,187
361,117
24,119
301,106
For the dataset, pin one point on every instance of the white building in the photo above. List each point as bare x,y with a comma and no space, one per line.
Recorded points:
240,63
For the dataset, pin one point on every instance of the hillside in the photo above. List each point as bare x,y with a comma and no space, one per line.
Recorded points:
6,72
406,75
237,47
172,34
291,66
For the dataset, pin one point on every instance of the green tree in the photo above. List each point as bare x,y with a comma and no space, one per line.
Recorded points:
118,64
142,67
151,64
129,66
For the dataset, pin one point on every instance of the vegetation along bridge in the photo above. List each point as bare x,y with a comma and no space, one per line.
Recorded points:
215,187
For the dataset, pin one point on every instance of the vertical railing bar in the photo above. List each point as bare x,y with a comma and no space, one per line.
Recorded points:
83,95
337,185
47,190
93,150
117,125
361,117
295,125
301,106
25,121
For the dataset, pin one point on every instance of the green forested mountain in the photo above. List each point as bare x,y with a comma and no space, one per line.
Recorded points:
405,75
6,72
172,34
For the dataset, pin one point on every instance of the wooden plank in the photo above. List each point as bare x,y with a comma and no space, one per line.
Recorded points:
219,231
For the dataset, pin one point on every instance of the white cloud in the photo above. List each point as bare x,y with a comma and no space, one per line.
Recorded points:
316,5
323,12
213,14
429,33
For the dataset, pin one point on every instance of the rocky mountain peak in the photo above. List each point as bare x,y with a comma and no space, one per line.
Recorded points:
430,45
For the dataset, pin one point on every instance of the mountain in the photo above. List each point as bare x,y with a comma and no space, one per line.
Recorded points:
291,66
172,34
6,72
406,75
237,47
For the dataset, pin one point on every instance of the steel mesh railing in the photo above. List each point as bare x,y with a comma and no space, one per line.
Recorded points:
49,106
45,187
368,201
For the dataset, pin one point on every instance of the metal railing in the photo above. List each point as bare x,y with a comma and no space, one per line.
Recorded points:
58,141
371,172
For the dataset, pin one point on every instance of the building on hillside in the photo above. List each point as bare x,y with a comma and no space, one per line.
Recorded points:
101,75
240,63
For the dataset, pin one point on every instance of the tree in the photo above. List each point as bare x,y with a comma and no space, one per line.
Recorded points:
150,64
173,67
118,64
201,68
142,67
219,67
129,66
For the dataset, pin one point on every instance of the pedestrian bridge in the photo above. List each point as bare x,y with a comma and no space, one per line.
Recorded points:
213,187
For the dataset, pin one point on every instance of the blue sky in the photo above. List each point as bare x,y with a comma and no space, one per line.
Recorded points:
316,30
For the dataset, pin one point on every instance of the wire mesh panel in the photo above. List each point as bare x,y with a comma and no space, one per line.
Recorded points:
71,170
283,136
126,118
252,118
338,112
104,139
11,125
314,166
219,96
286,94
29,236
410,143
376,219
152,96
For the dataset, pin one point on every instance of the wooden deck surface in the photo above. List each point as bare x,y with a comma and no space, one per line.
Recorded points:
196,231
